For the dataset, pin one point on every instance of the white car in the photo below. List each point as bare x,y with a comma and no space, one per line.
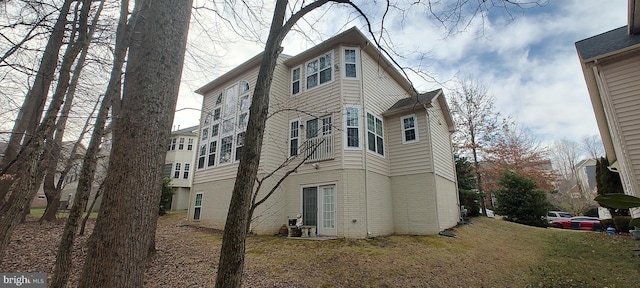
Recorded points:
557,215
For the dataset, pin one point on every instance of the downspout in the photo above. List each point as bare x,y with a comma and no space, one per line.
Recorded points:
364,151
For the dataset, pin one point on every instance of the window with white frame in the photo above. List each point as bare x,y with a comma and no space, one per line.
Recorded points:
295,80
352,126
202,155
294,136
197,206
176,172
205,134
239,144
375,136
409,129
244,86
227,124
173,144
185,174
190,144
350,61
212,153
226,147
181,144
216,114
320,70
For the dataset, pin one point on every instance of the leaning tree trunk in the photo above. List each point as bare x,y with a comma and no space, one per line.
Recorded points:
33,105
118,247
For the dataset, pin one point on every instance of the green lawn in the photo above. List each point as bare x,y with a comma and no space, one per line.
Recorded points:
487,253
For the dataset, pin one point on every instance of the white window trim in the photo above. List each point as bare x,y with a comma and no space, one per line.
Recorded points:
177,168
346,140
344,63
330,53
299,81
299,137
366,130
415,127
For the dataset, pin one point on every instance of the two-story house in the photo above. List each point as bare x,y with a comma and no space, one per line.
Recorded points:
611,67
179,164
378,157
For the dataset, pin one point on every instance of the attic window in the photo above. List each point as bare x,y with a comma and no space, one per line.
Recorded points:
219,99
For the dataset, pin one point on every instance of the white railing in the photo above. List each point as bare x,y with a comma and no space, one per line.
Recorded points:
319,148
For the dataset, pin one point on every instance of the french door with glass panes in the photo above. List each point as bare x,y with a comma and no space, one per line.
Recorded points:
319,208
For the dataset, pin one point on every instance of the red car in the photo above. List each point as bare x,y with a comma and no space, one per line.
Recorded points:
578,223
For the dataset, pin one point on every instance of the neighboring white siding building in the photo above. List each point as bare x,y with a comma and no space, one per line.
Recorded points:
179,165
611,67
379,157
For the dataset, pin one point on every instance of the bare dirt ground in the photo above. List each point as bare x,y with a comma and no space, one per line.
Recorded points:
488,253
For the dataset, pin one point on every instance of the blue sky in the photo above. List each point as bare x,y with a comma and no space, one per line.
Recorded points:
527,59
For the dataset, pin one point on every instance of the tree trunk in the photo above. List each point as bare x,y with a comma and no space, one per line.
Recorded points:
118,247
31,174
33,105
90,209
233,242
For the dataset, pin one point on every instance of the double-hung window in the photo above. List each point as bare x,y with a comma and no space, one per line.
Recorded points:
350,61
202,155
239,144
173,144
185,175
294,136
226,146
375,136
295,81
320,71
176,173
409,129
181,144
190,144
352,116
213,145
197,206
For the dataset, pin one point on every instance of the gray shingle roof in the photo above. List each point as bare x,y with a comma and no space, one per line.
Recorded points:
411,102
606,43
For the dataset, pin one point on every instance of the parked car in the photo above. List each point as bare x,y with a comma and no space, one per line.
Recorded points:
556,215
578,223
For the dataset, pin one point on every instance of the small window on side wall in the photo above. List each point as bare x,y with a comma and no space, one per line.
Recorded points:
409,127
197,206
295,81
350,63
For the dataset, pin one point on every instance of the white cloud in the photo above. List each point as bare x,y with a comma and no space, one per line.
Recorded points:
530,64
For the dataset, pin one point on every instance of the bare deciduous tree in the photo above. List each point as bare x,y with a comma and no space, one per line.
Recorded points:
476,119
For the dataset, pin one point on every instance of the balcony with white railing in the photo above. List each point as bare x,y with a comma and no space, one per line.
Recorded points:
319,148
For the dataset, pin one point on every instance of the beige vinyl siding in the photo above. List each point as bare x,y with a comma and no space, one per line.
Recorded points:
216,196
380,201
441,144
276,137
317,102
624,92
380,92
448,204
414,204
409,158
